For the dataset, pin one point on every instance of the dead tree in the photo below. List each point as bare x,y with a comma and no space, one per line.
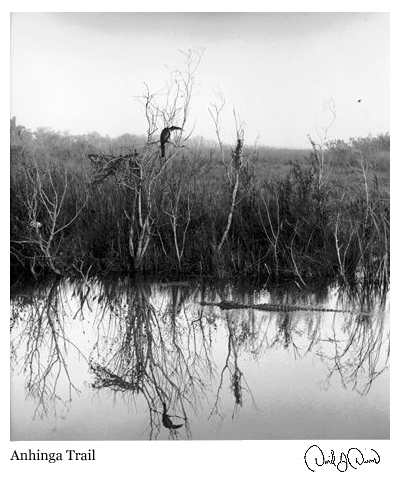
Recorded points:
140,175
233,171
47,217
236,166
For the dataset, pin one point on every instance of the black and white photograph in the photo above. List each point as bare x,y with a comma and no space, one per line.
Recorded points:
199,228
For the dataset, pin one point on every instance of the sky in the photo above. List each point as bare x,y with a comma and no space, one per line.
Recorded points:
283,73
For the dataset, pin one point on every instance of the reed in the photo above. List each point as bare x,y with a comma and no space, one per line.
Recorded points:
65,220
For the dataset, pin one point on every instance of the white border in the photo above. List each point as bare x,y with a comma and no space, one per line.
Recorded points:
194,459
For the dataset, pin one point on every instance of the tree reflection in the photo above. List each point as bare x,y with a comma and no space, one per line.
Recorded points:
39,322
156,344
240,334
357,358
158,353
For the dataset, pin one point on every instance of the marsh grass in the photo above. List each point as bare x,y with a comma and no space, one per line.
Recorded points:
286,224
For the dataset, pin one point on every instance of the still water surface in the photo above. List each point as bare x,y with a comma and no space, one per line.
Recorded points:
112,360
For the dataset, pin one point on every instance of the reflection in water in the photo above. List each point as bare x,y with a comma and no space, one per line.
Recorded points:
172,362
40,344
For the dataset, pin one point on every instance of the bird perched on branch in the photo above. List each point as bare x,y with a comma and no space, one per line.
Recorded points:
166,421
165,135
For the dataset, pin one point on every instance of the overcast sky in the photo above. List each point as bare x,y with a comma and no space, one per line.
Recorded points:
80,72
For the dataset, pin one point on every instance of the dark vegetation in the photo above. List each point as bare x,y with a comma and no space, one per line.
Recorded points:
87,204
284,222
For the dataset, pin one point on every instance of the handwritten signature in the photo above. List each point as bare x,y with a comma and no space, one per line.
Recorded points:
354,458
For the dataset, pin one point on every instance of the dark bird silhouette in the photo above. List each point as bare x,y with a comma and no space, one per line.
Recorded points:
359,100
166,421
165,135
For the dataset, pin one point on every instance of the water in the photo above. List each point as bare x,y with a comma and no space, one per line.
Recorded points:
99,360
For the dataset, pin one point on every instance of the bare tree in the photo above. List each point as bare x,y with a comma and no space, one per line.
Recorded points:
140,174
172,208
319,149
233,169
47,215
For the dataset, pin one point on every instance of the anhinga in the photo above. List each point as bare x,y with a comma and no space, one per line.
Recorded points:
166,420
165,135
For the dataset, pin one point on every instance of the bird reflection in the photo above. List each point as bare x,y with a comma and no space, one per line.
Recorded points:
162,350
166,421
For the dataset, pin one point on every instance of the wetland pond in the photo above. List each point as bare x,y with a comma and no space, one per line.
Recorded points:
125,360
